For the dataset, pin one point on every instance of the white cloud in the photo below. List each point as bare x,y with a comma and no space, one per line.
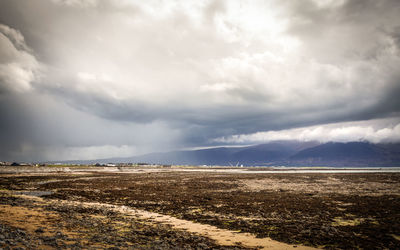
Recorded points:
372,131
229,53
18,67
77,3
329,3
202,69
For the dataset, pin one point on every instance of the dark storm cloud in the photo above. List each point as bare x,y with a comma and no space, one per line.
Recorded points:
80,78
357,30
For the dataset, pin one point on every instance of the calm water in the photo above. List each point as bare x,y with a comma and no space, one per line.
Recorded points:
300,171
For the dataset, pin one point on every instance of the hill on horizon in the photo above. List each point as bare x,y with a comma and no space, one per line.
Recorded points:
285,153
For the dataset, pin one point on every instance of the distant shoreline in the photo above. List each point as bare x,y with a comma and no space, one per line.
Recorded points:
222,169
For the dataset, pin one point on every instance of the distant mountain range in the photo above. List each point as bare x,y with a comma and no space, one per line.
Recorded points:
286,153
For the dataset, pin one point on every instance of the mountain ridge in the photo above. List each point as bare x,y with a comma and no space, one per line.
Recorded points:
285,153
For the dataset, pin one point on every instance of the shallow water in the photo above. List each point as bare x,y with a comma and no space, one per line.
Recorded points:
274,171
34,193
301,171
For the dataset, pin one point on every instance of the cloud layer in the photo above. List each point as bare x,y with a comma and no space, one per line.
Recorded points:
376,131
17,65
134,76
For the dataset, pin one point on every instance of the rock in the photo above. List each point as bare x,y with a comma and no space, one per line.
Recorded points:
59,235
202,246
19,231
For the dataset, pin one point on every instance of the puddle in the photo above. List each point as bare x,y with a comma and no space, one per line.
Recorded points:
34,193
49,181
74,179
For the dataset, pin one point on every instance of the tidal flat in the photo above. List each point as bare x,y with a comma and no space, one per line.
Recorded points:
197,208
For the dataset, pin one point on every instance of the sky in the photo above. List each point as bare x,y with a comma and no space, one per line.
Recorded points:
95,79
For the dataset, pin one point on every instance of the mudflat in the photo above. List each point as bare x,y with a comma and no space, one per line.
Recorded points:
199,208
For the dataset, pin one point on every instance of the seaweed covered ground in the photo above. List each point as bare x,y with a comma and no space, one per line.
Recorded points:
324,210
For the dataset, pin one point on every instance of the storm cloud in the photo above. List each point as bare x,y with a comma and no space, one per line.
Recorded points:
91,79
